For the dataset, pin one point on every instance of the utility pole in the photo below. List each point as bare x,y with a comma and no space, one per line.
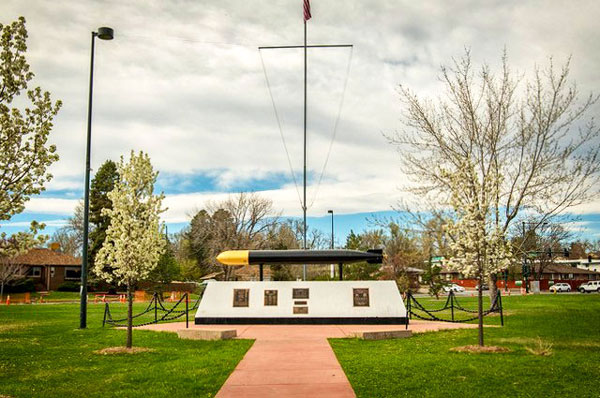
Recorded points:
305,47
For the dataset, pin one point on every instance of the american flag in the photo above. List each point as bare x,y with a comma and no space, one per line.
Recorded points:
306,10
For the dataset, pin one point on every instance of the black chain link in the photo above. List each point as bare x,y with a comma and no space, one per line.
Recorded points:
451,302
159,306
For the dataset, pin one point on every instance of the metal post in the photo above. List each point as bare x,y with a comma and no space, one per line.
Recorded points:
525,277
332,271
105,312
103,33
260,270
155,307
86,200
452,304
187,314
341,272
499,303
304,202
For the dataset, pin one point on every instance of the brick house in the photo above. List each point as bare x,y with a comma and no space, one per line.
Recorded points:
49,268
553,273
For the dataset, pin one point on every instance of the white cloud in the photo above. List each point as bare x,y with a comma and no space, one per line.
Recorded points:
183,81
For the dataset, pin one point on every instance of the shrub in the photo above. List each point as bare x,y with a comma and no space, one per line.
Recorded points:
69,287
21,286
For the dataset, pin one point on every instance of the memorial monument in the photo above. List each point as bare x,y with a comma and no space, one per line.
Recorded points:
301,302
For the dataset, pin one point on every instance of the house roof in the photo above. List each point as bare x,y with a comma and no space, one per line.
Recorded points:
564,269
39,256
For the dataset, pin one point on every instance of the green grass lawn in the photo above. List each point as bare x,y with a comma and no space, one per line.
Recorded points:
424,366
44,354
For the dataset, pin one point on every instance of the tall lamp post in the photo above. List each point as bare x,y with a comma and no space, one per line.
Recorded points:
332,243
103,33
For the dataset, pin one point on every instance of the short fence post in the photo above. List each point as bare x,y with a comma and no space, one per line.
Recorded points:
452,304
499,304
105,311
187,295
155,307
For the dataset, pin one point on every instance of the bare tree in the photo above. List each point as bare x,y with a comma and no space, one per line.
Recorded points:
529,138
544,243
242,221
9,272
70,236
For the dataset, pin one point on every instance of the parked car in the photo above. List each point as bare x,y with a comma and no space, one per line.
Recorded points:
454,288
483,287
588,287
560,287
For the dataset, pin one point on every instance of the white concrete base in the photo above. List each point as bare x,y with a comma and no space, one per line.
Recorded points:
328,302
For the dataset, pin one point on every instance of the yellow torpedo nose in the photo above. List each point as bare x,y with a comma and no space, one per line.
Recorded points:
233,257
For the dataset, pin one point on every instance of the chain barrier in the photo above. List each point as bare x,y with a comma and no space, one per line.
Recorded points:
156,305
453,305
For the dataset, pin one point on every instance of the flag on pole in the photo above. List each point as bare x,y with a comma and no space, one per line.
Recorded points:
307,15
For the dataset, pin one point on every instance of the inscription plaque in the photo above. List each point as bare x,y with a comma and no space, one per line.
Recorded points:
241,297
361,297
300,293
270,297
300,310
300,302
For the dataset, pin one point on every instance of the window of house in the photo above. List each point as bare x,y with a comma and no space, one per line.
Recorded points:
72,273
570,276
34,272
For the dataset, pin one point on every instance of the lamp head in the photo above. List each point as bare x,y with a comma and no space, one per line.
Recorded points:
330,211
105,33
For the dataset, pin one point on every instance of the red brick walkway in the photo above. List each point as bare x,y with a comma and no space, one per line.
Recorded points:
294,361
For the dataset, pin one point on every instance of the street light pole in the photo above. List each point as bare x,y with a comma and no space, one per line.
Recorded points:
103,33
332,244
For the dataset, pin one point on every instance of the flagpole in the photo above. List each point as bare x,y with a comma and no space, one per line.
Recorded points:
304,204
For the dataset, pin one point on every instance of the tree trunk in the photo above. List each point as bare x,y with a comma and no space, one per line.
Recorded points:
492,284
129,316
480,312
2,291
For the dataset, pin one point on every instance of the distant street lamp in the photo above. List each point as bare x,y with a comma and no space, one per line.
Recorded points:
332,243
103,33
525,271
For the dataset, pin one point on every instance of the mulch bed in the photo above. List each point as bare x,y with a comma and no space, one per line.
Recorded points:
476,349
122,350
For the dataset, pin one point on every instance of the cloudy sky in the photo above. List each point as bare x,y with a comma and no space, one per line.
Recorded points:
184,81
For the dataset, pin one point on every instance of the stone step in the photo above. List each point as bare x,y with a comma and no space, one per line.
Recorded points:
382,335
204,334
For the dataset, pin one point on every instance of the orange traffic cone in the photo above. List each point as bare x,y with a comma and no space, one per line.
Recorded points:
7,300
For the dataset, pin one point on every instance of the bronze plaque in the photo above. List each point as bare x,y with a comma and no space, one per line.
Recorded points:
300,302
300,293
270,297
241,297
300,310
361,297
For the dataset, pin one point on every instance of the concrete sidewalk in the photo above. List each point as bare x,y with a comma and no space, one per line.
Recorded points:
294,360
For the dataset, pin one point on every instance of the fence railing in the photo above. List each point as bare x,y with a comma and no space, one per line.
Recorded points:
161,312
417,310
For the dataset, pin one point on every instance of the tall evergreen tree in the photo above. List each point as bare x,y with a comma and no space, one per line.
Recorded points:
102,183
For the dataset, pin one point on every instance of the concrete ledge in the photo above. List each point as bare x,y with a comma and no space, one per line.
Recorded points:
382,335
200,334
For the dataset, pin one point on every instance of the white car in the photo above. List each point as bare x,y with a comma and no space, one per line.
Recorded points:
454,287
560,287
588,287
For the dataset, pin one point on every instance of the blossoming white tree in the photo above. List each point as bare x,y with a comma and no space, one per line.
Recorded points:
25,154
477,243
531,137
134,239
